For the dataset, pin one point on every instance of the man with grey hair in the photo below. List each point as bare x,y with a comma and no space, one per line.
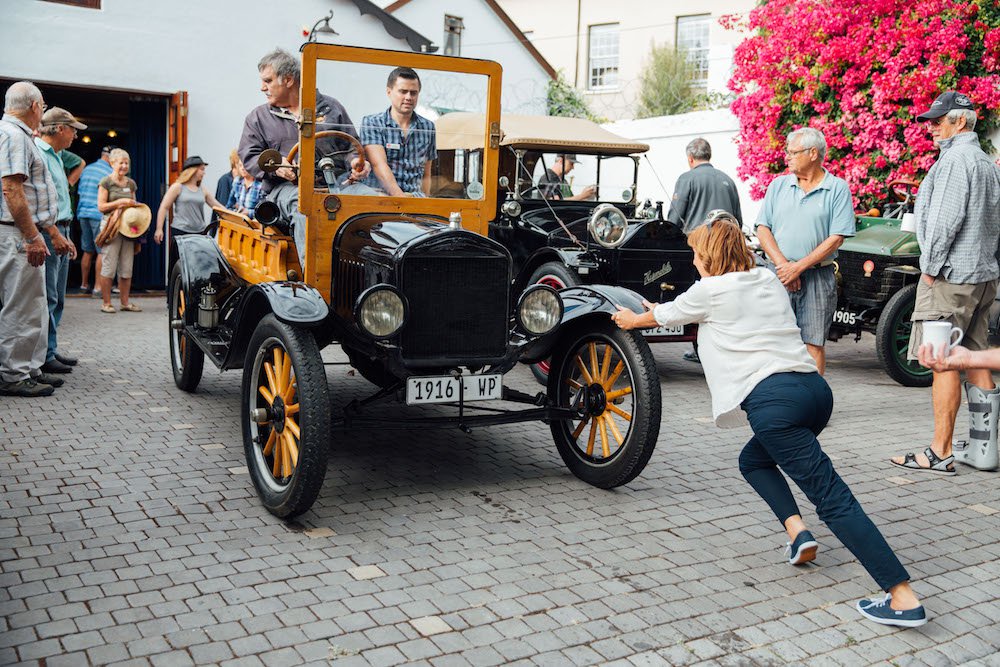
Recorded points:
274,124
805,217
57,133
958,228
698,191
28,207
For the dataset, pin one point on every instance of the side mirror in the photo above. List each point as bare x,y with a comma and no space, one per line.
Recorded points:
269,161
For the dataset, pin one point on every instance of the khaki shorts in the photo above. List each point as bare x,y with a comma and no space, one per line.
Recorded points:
119,255
965,306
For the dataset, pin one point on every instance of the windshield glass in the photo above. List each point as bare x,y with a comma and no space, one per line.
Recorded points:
390,114
579,177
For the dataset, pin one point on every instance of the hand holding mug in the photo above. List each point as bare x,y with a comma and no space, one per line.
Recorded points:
942,359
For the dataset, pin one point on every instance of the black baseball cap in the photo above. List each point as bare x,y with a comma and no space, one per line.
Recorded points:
946,102
193,161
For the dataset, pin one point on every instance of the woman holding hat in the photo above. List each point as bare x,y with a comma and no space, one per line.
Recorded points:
117,191
759,372
185,200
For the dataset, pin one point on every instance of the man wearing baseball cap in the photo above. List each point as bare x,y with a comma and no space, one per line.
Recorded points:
90,216
958,228
56,133
553,184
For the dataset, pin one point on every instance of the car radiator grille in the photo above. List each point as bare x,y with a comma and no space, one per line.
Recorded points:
458,306
881,285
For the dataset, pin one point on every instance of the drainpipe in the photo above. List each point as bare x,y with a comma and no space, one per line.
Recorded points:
576,64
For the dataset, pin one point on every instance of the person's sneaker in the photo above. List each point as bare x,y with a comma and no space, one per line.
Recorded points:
29,388
66,359
115,290
96,293
802,549
692,356
55,366
880,611
50,379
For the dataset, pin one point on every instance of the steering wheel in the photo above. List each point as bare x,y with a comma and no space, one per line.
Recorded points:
902,189
339,135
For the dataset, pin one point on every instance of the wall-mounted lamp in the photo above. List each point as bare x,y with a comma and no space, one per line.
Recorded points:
324,28
85,139
112,134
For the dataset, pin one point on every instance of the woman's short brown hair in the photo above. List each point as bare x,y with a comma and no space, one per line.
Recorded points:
721,247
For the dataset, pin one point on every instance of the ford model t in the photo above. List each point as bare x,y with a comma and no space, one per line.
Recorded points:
569,213
422,302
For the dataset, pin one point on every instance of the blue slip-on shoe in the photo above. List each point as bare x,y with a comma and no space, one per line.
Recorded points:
880,611
802,549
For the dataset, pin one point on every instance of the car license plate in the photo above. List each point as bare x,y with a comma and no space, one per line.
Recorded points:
664,331
845,317
444,389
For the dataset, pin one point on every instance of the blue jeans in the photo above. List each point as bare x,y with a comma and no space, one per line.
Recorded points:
786,412
56,272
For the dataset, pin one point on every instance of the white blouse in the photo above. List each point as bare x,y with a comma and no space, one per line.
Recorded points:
746,333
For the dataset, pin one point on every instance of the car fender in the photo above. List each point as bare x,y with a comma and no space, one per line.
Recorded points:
595,302
571,258
201,265
911,272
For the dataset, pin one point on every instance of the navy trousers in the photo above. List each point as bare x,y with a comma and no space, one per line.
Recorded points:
786,412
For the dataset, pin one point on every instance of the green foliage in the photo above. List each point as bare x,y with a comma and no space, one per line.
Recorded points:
666,87
562,99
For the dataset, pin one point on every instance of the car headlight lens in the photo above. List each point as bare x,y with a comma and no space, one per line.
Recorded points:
381,311
540,310
607,225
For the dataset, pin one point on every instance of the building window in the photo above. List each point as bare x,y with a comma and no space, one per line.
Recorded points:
453,28
89,4
692,37
603,56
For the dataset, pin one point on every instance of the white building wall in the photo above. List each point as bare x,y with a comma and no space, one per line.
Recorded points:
209,49
485,36
668,136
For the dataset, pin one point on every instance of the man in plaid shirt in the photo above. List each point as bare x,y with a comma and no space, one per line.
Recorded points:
399,143
958,228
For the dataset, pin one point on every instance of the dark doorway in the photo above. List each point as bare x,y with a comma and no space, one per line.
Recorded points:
136,122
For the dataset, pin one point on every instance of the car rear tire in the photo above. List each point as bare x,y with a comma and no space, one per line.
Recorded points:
187,361
556,276
614,373
286,417
892,340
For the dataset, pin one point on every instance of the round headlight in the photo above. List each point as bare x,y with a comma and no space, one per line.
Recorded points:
540,310
607,225
381,311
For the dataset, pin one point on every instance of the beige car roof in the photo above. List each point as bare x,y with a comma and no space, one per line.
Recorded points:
547,133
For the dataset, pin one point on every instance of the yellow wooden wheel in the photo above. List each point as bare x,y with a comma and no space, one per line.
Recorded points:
609,376
286,416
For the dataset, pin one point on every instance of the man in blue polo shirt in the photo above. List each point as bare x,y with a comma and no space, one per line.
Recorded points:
399,143
806,215
90,217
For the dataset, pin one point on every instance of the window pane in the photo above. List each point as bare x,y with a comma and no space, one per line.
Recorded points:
603,56
692,37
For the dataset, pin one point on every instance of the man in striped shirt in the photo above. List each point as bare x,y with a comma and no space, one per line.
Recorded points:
28,208
399,143
90,217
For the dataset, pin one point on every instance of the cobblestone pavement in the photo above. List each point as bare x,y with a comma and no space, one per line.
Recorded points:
130,534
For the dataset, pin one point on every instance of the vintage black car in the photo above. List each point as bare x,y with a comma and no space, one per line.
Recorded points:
424,304
561,242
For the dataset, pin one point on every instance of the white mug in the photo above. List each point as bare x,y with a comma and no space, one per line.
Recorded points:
939,333
909,223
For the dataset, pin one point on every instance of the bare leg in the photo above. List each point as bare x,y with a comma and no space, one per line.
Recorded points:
85,262
105,285
818,353
793,526
981,377
903,597
124,285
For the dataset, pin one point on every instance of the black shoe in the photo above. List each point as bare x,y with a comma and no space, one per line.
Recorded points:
692,356
50,379
55,366
29,388
65,359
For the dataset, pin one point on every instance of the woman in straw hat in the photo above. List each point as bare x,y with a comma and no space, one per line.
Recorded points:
759,372
117,191
186,198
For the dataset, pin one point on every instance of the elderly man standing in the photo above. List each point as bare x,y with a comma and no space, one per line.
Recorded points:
958,228
806,215
28,206
56,134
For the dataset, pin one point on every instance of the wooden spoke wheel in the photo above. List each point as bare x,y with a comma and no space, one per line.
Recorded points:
286,417
558,277
611,375
186,359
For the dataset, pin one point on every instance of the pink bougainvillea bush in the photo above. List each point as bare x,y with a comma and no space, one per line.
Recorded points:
859,71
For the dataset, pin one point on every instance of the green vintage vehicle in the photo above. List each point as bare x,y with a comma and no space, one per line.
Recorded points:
877,274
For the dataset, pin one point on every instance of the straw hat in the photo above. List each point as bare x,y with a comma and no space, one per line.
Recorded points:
135,221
